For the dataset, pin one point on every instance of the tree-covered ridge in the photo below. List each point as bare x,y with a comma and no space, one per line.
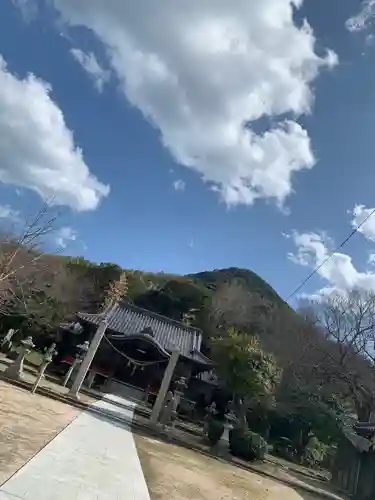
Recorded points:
171,294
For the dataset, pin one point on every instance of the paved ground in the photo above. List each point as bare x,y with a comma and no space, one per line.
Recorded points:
93,458
27,423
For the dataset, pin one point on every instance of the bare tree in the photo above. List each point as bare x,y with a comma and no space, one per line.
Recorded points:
343,348
233,305
37,287
118,289
20,255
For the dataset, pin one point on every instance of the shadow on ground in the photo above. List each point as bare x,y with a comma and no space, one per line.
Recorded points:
119,419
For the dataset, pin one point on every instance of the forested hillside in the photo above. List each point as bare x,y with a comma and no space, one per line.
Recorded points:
171,295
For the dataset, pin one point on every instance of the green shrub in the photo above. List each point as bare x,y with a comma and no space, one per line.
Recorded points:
215,430
314,452
247,445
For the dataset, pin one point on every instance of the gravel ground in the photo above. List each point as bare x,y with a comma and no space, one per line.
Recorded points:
27,423
176,473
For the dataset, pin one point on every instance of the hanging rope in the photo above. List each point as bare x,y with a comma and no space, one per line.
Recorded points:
132,361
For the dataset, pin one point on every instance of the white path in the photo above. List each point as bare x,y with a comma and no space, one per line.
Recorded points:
91,459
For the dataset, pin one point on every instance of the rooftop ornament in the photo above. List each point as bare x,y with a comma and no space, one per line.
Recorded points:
148,331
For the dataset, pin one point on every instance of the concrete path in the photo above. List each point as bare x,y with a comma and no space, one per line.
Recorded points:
94,458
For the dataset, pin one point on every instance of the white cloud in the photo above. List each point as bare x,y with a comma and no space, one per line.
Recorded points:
199,71
179,185
363,18
65,235
339,271
360,212
90,64
37,150
8,213
28,9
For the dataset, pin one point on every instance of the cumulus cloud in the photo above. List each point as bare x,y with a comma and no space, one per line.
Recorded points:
341,275
179,185
90,64
339,272
363,18
65,235
206,74
8,213
360,214
37,149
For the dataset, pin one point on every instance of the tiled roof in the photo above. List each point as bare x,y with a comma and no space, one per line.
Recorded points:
128,319
362,444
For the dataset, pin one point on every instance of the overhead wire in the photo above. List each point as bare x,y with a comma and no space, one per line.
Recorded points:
343,243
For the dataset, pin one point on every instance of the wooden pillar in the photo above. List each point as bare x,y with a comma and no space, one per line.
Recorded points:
168,374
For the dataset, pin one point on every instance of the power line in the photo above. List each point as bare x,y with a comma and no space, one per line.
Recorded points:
331,255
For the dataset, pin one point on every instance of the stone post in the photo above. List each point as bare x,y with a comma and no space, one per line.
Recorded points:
50,353
85,365
168,374
82,350
90,379
15,370
71,370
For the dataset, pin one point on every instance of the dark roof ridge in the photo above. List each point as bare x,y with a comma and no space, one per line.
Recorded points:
155,315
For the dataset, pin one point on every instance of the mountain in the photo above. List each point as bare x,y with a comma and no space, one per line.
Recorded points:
248,279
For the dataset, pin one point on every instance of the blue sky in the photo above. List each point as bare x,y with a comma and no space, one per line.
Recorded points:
132,119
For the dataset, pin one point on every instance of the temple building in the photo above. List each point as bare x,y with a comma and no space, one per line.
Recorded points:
136,347
353,469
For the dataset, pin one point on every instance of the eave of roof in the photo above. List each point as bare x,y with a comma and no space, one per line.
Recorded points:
141,336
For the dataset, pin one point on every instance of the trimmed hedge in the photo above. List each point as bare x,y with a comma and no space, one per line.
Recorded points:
247,445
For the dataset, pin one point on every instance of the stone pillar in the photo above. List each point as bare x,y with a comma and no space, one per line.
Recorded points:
15,370
168,374
85,365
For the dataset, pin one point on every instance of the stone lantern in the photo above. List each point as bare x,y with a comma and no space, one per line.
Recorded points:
222,447
80,354
179,389
47,358
15,370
